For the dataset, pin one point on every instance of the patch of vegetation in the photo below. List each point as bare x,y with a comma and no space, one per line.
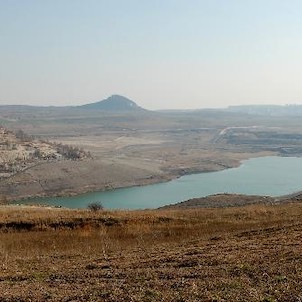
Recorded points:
22,136
69,151
95,206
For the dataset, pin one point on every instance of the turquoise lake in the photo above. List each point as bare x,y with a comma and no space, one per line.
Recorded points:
271,175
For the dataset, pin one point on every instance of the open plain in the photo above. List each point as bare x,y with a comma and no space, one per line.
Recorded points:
141,147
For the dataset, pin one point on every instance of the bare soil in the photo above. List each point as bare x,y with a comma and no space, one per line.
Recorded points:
144,148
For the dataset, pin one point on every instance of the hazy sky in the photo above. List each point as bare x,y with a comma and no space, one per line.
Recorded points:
160,53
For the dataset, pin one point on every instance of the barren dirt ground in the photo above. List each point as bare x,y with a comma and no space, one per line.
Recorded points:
169,153
132,149
124,159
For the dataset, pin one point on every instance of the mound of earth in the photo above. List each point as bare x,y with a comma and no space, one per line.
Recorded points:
114,103
221,201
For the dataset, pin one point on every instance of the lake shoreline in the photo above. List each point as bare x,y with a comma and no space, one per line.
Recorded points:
180,183
166,176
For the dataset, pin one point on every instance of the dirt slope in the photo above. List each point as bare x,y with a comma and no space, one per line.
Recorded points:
233,254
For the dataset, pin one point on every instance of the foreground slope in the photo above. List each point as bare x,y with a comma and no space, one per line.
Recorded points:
235,254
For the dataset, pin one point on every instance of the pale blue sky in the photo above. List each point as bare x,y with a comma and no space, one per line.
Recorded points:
160,53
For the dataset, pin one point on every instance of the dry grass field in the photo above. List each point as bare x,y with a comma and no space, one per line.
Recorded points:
251,253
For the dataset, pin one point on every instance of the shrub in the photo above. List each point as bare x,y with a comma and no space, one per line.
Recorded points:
68,151
95,206
21,135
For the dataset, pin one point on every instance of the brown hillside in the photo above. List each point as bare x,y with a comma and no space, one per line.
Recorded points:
251,253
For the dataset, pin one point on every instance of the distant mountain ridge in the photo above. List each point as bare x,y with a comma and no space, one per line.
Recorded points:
269,110
114,103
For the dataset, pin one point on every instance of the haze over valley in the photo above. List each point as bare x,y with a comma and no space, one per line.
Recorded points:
129,145
150,151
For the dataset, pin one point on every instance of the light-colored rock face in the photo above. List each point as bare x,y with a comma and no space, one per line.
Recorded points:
19,151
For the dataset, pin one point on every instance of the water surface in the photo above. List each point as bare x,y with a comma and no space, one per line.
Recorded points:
271,175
